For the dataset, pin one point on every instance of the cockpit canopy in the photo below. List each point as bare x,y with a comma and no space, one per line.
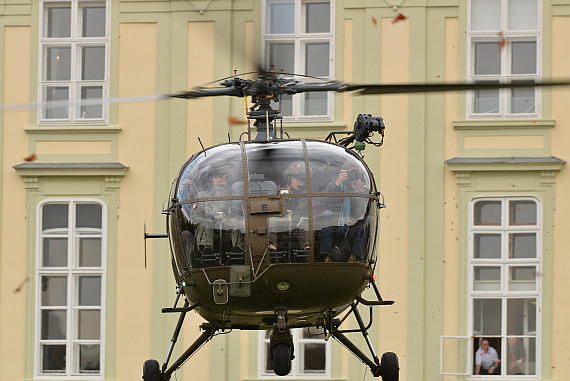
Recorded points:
294,201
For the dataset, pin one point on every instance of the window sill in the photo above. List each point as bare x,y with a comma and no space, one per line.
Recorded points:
60,129
503,124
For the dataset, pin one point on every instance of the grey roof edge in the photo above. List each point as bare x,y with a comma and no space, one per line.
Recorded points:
505,160
85,166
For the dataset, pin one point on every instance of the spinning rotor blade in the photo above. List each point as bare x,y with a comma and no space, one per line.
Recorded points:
405,88
271,84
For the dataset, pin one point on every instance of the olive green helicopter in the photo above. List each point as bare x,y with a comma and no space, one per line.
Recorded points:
274,233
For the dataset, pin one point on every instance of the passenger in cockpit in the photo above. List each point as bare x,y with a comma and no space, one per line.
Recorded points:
216,217
346,238
295,177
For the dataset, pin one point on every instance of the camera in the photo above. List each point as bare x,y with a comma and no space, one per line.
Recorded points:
354,174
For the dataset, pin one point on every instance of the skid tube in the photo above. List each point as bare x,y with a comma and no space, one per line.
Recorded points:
209,330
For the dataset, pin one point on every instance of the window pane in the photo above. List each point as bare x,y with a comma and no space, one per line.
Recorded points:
58,63
487,278
487,246
91,94
487,58
523,57
58,22
54,324
54,252
54,291
521,316
89,324
281,17
93,22
54,216
487,316
315,104
522,278
59,97
89,252
485,15
89,291
93,63
89,358
317,59
522,101
488,213
522,212
486,101
318,17
314,358
286,105
522,15
522,245
53,358
282,56
88,216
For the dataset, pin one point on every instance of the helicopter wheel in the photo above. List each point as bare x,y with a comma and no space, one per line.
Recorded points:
282,359
390,367
151,371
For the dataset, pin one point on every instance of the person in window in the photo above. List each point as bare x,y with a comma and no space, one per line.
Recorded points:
487,359
345,239
515,356
215,217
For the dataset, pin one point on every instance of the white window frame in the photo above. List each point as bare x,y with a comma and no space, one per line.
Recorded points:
297,362
75,42
505,76
504,294
299,39
71,272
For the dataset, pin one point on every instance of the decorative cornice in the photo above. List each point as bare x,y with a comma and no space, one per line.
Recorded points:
498,164
107,170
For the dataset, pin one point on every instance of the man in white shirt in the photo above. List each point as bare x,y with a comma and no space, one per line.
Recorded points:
486,359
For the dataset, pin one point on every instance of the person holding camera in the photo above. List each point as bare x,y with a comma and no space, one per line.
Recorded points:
345,240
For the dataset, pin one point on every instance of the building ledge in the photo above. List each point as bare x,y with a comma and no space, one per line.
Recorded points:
70,169
494,164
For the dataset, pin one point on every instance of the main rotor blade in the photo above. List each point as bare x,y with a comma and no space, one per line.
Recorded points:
85,102
404,88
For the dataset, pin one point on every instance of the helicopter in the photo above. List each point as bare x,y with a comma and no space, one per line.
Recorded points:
251,250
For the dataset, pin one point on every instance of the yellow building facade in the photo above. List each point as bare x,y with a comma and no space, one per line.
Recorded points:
472,242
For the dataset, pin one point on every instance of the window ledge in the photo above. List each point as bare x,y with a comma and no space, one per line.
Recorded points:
502,124
70,169
76,129
474,164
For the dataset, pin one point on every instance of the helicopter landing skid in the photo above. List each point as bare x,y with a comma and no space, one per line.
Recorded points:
151,372
387,367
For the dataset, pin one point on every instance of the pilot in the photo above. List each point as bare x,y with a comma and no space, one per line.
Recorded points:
216,215
295,177
346,237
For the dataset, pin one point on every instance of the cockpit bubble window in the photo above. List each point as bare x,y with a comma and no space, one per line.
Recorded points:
269,164
333,170
344,228
212,174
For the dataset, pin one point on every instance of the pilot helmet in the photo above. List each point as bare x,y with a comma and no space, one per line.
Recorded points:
219,167
295,169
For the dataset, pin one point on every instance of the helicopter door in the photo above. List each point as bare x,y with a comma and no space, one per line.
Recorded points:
259,209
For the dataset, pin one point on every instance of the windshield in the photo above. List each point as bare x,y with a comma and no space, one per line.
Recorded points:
297,202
